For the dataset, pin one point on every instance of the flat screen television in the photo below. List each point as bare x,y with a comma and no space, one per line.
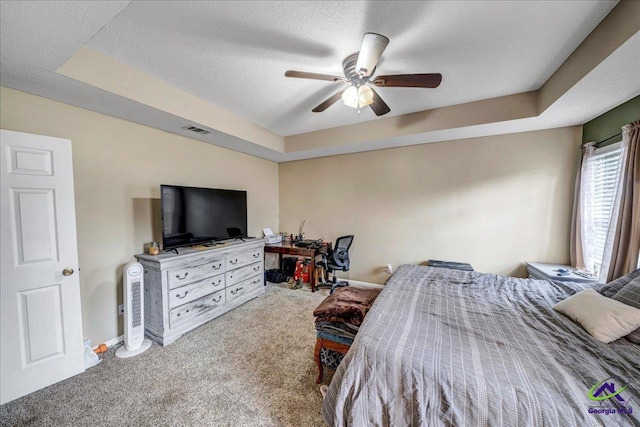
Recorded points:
192,215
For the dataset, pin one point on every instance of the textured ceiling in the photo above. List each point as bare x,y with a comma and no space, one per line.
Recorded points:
234,54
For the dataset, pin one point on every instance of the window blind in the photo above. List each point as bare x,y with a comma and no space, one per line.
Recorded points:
606,163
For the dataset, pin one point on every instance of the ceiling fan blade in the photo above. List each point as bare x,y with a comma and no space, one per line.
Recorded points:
328,102
409,80
314,76
372,47
379,106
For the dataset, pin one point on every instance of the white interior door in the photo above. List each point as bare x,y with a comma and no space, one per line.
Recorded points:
41,321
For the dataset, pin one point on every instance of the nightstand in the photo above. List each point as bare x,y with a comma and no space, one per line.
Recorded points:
538,270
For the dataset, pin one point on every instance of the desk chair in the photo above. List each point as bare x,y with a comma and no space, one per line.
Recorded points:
336,259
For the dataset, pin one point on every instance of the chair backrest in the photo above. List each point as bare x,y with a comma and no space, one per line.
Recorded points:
340,255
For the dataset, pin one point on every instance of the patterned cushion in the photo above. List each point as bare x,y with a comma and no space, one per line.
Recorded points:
611,288
630,295
634,336
330,358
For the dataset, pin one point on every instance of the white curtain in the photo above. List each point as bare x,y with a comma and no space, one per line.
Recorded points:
587,222
615,211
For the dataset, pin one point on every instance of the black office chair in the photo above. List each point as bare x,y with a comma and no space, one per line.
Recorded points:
336,259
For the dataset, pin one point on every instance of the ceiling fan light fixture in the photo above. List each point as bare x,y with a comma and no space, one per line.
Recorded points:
365,96
359,69
350,97
357,97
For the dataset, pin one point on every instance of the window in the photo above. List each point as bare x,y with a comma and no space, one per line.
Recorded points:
605,168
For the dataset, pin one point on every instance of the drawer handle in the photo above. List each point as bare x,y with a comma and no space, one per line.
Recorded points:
182,296
256,268
256,255
217,299
182,278
235,291
234,262
214,283
218,267
255,281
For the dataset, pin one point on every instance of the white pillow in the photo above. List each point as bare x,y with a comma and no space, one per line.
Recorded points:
604,318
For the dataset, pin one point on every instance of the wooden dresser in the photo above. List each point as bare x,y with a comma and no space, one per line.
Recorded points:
186,290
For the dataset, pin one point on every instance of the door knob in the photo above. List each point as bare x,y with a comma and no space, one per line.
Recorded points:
67,271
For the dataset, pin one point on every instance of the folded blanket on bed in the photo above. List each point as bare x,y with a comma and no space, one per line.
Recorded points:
347,304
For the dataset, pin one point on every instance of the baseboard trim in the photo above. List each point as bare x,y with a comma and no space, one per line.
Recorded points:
113,341
120,339
364,284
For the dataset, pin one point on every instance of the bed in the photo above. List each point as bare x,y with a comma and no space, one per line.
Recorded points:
444,347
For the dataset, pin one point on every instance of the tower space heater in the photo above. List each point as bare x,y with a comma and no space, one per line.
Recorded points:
133,299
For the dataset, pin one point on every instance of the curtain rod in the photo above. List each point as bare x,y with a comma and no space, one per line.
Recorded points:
602,142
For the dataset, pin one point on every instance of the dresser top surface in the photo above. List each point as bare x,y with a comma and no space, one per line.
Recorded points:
187,252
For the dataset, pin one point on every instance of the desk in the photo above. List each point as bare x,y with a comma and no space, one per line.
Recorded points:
286,248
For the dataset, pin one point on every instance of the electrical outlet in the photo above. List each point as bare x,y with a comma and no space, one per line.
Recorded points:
121,310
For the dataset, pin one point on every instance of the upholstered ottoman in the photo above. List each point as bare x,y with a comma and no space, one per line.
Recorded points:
338,320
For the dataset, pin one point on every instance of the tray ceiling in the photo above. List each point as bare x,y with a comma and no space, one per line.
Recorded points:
230,57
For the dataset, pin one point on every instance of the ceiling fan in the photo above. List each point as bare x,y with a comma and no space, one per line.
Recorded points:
358,71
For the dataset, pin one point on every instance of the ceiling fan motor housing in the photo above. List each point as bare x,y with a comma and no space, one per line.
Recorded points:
350,72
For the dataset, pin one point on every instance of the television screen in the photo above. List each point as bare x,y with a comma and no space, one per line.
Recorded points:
192,216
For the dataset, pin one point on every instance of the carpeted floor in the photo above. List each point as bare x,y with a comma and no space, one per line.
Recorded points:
253,366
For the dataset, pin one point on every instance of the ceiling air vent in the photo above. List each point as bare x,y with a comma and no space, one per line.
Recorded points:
196,130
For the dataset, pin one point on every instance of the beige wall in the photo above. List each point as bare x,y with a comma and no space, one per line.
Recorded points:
118,169
494,202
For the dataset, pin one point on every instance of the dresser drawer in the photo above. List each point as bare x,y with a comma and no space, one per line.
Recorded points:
238,275
196,308
244,287
184,276
193,291
186,289
244,258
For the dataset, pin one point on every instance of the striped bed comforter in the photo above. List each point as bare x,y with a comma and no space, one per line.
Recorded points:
454,348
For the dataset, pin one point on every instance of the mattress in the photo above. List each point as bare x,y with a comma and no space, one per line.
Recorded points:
446,347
